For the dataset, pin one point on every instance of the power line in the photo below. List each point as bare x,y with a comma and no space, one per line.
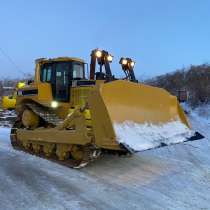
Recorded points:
11,61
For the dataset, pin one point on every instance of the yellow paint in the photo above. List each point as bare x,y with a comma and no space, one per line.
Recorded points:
128,101
20,85
8,102
44,92
30,119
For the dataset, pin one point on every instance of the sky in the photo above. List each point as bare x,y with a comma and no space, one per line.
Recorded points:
160,35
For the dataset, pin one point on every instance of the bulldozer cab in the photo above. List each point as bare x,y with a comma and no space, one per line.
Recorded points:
61,74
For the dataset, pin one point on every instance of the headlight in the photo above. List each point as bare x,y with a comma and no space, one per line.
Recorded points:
132,63
109,58
54,104
127,63
124,61
98,54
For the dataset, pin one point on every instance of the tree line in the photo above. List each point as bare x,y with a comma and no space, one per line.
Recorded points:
195,80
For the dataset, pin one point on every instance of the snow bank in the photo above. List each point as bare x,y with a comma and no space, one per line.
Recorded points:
202,112
200,119
4,139
146,136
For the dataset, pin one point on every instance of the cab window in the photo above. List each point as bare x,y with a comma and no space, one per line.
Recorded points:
46,73
78,71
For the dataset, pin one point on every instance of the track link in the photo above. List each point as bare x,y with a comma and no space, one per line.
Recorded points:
49,116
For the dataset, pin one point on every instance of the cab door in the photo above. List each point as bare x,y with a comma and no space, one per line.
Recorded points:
62,77
56,75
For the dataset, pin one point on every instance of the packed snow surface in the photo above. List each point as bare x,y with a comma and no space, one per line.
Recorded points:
140,137
170,178
7,118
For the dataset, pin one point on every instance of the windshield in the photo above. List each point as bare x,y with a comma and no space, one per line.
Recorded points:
62,71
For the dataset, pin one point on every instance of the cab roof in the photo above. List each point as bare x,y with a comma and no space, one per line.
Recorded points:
46,60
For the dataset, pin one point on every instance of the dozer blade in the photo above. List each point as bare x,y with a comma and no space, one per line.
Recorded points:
138,116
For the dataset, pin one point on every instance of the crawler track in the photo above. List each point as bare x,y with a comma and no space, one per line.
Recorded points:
90,153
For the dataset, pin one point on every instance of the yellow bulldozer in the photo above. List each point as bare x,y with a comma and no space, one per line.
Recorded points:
70,117
9,102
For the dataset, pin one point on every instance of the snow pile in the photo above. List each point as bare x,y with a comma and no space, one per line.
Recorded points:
200,119
146,136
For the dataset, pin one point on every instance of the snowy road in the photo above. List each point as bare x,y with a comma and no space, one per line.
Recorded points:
175,177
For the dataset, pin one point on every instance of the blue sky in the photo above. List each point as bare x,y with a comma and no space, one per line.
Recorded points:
160,35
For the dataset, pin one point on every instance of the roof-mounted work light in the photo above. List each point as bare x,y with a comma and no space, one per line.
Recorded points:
127,66
132,64
98,53
103,58
127,63
109,58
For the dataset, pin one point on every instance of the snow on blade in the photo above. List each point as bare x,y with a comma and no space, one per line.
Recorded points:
146,136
